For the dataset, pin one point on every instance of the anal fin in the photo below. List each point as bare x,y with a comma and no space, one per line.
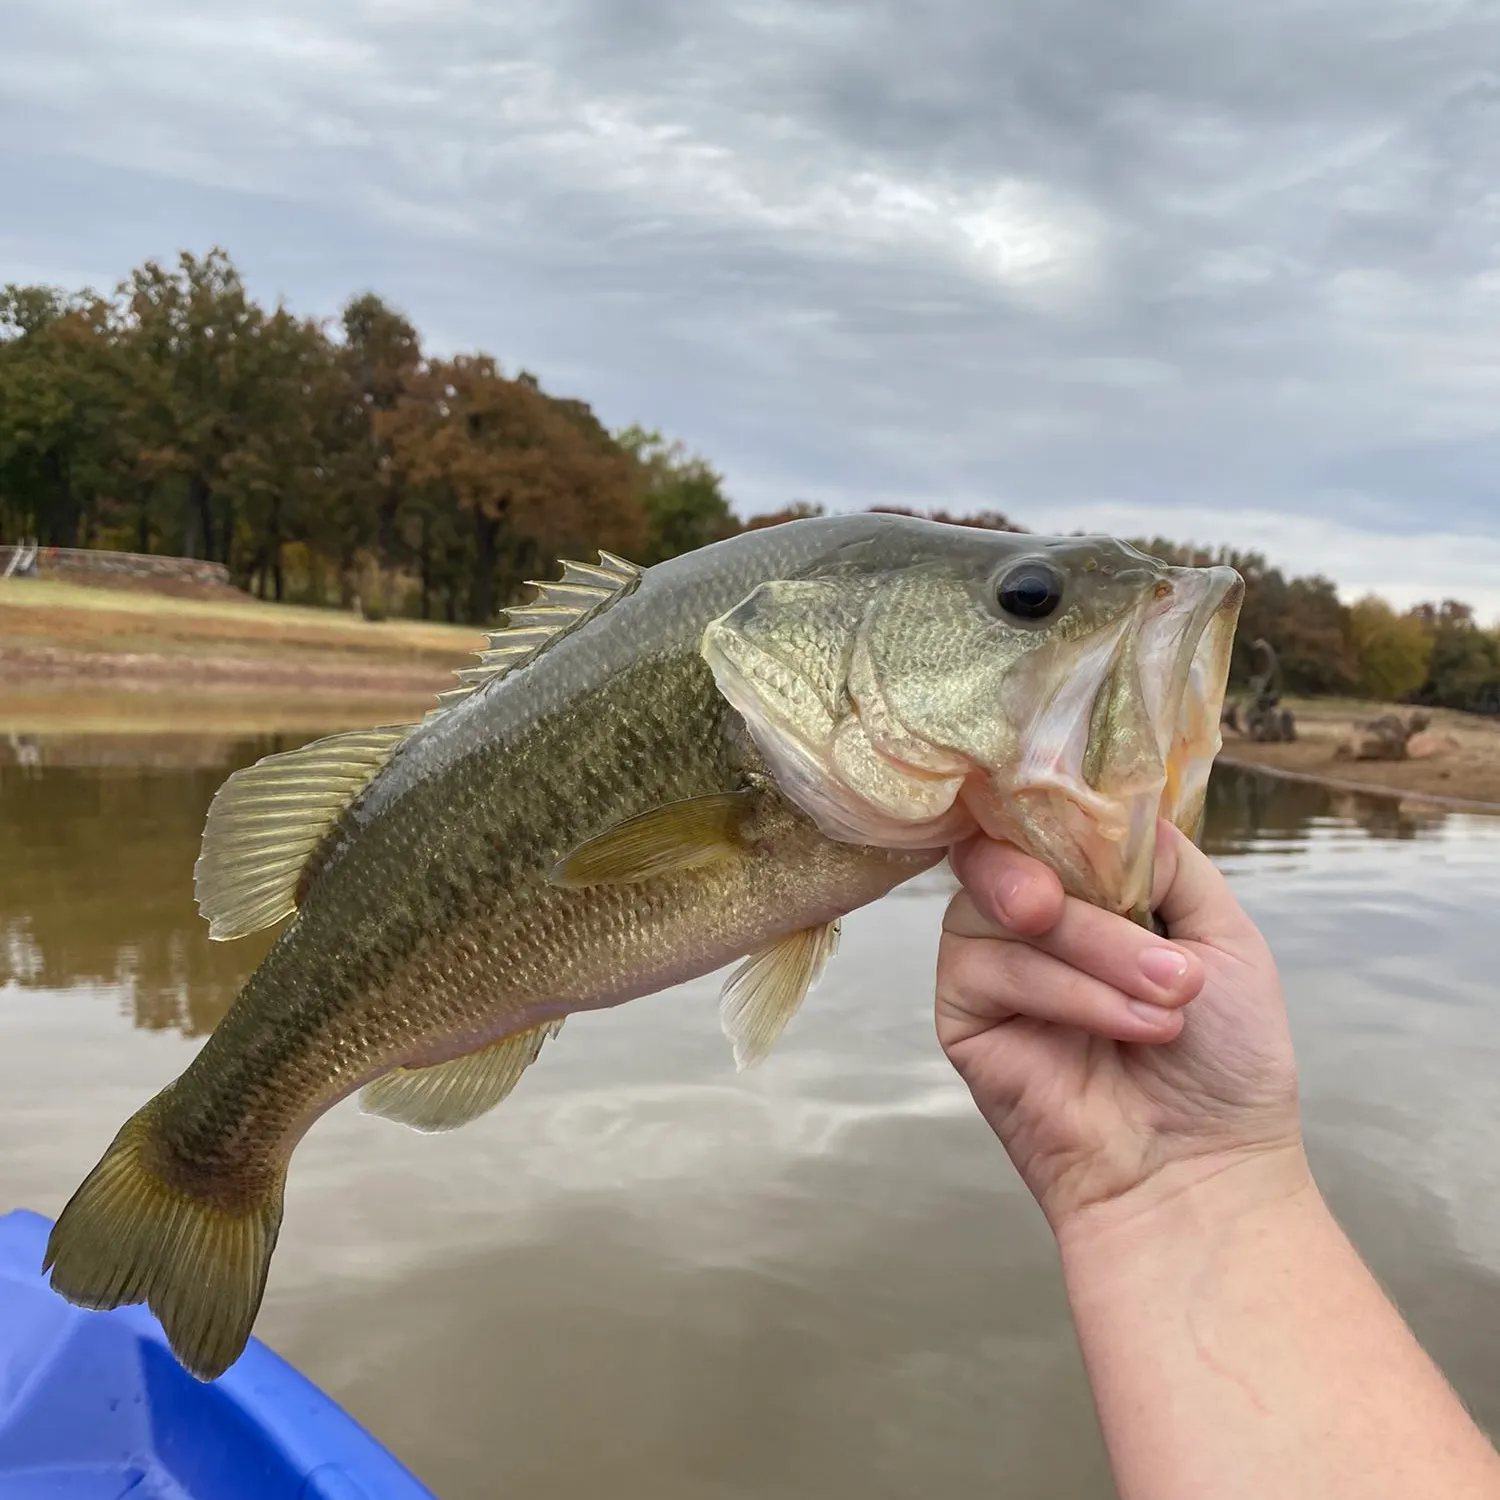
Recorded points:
768,988
453,1093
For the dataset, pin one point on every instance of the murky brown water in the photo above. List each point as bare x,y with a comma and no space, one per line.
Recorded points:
645,1275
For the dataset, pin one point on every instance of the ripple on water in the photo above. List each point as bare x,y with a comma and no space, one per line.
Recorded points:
817,1278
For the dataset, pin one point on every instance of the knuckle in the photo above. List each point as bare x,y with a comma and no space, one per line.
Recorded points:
1076,995
976,974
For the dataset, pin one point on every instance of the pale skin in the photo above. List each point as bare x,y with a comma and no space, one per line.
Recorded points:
1236,1344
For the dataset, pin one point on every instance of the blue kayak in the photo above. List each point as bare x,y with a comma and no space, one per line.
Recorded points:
94,1407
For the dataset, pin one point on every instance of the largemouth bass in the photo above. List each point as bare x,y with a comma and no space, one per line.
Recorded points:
648,776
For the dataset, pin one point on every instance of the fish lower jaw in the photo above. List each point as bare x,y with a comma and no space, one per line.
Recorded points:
1101,846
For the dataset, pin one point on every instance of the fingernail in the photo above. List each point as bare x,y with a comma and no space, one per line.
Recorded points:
1164,966
1156,1015
1007,894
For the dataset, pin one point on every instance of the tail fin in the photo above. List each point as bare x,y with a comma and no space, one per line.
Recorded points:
128,1235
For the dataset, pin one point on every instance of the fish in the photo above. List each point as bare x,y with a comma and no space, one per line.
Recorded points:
650,775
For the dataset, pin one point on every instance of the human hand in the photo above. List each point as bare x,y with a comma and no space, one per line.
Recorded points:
1098,1101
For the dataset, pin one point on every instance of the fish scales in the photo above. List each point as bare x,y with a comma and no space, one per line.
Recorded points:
459,838
716,758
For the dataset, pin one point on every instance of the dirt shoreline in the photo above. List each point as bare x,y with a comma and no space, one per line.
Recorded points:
1464,777
82,660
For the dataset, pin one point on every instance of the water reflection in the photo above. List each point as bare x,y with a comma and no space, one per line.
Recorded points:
649,1274
100,835
1247,811
96,879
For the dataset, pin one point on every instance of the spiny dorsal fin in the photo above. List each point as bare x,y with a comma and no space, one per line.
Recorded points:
765,991
267,819
452,1093
673,837
583,591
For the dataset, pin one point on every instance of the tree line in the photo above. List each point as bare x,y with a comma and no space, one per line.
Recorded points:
315,462
337,461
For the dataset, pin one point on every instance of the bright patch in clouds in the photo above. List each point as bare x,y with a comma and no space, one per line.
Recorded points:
1227,273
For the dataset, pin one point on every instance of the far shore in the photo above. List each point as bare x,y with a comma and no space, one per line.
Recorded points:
1465,776
82,662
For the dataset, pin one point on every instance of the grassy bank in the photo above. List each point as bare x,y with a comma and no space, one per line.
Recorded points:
76,659
105,660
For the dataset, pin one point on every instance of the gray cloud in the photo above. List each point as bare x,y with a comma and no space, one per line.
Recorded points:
1166,261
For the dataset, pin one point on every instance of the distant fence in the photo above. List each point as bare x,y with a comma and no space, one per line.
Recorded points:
21,563
62,562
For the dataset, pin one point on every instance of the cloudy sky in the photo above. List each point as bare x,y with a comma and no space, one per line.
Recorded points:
1226,272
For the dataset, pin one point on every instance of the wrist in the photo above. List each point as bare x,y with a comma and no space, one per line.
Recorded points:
1237,1345
1192,1201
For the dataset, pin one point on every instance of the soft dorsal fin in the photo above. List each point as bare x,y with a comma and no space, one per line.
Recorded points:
452,1093
766,991
267,819
584,591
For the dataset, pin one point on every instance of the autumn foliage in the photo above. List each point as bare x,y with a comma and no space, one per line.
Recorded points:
317,463
341,463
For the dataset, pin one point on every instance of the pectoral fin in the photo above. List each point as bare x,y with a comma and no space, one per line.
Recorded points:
765,991
676,836
453,1093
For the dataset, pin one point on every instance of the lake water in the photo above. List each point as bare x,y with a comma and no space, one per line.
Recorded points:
646,1275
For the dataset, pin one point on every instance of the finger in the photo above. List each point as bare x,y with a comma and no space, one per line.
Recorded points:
1016,892
1191,896
1110,948
982,983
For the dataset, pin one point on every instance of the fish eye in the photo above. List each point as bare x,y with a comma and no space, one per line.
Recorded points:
1030,592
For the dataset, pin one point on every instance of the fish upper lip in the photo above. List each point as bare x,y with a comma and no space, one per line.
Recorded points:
1225,587
1222,587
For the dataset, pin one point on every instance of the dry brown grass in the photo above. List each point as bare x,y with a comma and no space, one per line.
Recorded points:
72,654
78,659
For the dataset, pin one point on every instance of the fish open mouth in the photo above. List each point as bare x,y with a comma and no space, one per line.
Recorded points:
1102,735
1118,730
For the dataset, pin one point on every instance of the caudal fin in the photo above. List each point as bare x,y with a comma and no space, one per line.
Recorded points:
128,1235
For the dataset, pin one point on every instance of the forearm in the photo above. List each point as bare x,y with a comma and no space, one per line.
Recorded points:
1238,1347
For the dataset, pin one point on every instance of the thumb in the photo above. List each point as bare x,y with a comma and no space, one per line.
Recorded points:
1193,899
